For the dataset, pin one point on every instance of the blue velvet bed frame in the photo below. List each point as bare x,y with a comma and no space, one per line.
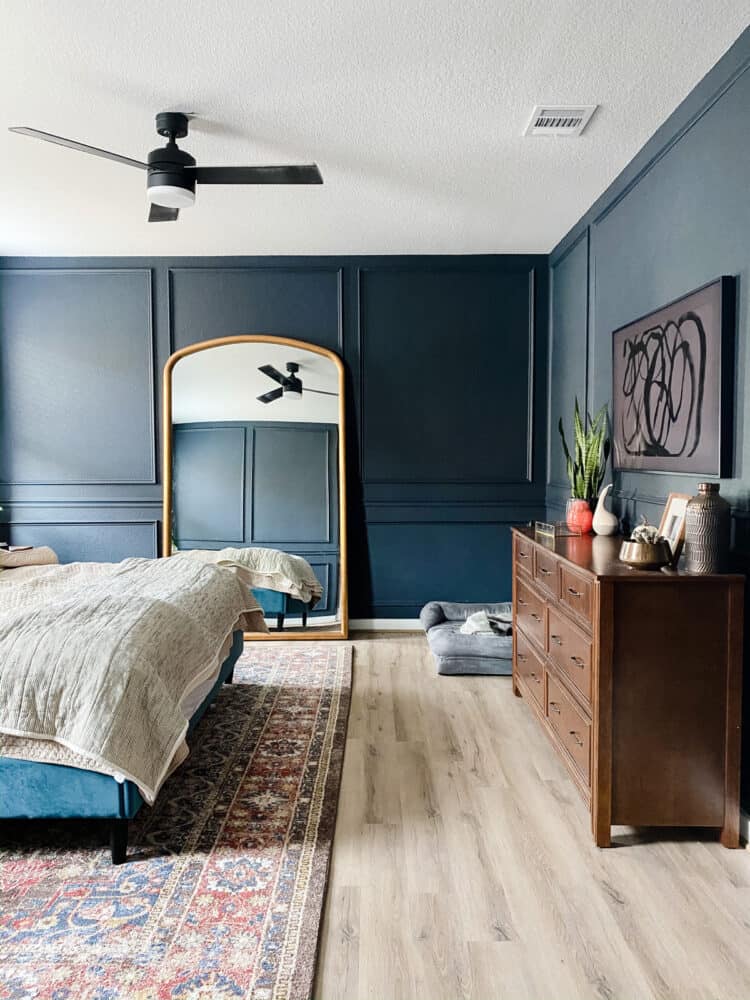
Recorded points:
31,790
274,602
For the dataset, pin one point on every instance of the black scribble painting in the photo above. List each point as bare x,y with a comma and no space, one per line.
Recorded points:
672,385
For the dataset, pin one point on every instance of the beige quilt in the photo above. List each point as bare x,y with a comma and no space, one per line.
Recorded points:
269,568
98,658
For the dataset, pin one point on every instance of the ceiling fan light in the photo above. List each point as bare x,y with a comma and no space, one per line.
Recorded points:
293,393
170,196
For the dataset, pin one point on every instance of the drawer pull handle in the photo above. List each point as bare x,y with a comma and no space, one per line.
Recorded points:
535,616
521,603
556,639
576,737
521,657
522,554
578,661
574,592
532,675
544,571
554,707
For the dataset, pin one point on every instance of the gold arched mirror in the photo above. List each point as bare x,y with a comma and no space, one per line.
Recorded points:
254,468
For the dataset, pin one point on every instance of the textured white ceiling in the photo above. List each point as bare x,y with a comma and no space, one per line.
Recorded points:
413,109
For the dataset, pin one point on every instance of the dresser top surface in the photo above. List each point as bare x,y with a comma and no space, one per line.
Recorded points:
599,556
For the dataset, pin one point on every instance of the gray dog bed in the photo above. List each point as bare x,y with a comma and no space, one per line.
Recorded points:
456,653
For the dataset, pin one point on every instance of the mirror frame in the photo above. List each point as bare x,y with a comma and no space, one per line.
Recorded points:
342,632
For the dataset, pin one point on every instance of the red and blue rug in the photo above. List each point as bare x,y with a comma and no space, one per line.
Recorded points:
223,892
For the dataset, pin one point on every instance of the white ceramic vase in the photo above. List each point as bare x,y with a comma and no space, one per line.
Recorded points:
605,522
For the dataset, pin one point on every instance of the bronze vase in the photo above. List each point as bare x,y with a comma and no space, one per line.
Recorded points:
707,528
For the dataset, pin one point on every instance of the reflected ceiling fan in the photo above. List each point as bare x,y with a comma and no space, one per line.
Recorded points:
290,386
172,173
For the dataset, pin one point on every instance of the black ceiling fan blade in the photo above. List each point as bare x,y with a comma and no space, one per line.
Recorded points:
160,213
306,173
59,140
268,397
272,373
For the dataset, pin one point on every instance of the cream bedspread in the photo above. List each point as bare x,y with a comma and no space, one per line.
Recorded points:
99,658
269,568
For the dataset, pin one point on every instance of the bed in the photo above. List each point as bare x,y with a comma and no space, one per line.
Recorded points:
105,670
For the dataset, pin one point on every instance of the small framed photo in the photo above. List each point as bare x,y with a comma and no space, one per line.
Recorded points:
672,526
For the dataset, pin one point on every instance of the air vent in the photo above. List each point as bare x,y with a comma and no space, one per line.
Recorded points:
561,120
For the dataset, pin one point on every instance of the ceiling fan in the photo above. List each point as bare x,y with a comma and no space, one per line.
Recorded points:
172,173
290,386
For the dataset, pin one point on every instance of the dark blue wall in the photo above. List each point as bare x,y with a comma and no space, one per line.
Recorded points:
678,217
446,365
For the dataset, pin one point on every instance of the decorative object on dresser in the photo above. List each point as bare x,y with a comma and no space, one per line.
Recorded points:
707,529
646,549
605,522
636,678
585,470
673,385
672,524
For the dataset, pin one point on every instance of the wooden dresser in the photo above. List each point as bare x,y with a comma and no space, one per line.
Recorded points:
636,678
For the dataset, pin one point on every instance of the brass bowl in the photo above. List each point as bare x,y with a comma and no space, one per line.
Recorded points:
646,555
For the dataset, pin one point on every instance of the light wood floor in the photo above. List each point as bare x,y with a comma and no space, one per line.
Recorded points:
463,865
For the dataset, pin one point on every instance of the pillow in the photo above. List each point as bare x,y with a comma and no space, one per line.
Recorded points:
43,556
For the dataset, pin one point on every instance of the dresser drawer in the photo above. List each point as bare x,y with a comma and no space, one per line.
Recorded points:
570,650
576,592
524,553
530,612
546,568
572,729
530,667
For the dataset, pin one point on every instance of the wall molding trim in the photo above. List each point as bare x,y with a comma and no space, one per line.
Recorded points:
530,273
253,264
147,273
136,523
78,503
500,300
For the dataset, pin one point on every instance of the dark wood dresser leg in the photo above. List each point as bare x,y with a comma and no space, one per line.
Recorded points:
118,840
603,836
730,832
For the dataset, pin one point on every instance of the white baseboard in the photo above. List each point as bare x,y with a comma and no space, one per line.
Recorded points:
385,624
745,827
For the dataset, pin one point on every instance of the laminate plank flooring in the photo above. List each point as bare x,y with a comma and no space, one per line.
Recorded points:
463,866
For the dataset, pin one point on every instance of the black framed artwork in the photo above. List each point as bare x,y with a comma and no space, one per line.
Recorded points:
673,385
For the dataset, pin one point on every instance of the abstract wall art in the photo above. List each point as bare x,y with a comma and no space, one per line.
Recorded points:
673,385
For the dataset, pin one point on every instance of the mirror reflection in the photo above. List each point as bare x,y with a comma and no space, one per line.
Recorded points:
255,468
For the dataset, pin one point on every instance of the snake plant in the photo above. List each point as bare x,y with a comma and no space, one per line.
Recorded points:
591,448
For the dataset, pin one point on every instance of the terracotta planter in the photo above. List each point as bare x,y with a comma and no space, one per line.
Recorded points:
578,516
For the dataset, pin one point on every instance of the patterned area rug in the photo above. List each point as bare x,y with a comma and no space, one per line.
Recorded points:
223,891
